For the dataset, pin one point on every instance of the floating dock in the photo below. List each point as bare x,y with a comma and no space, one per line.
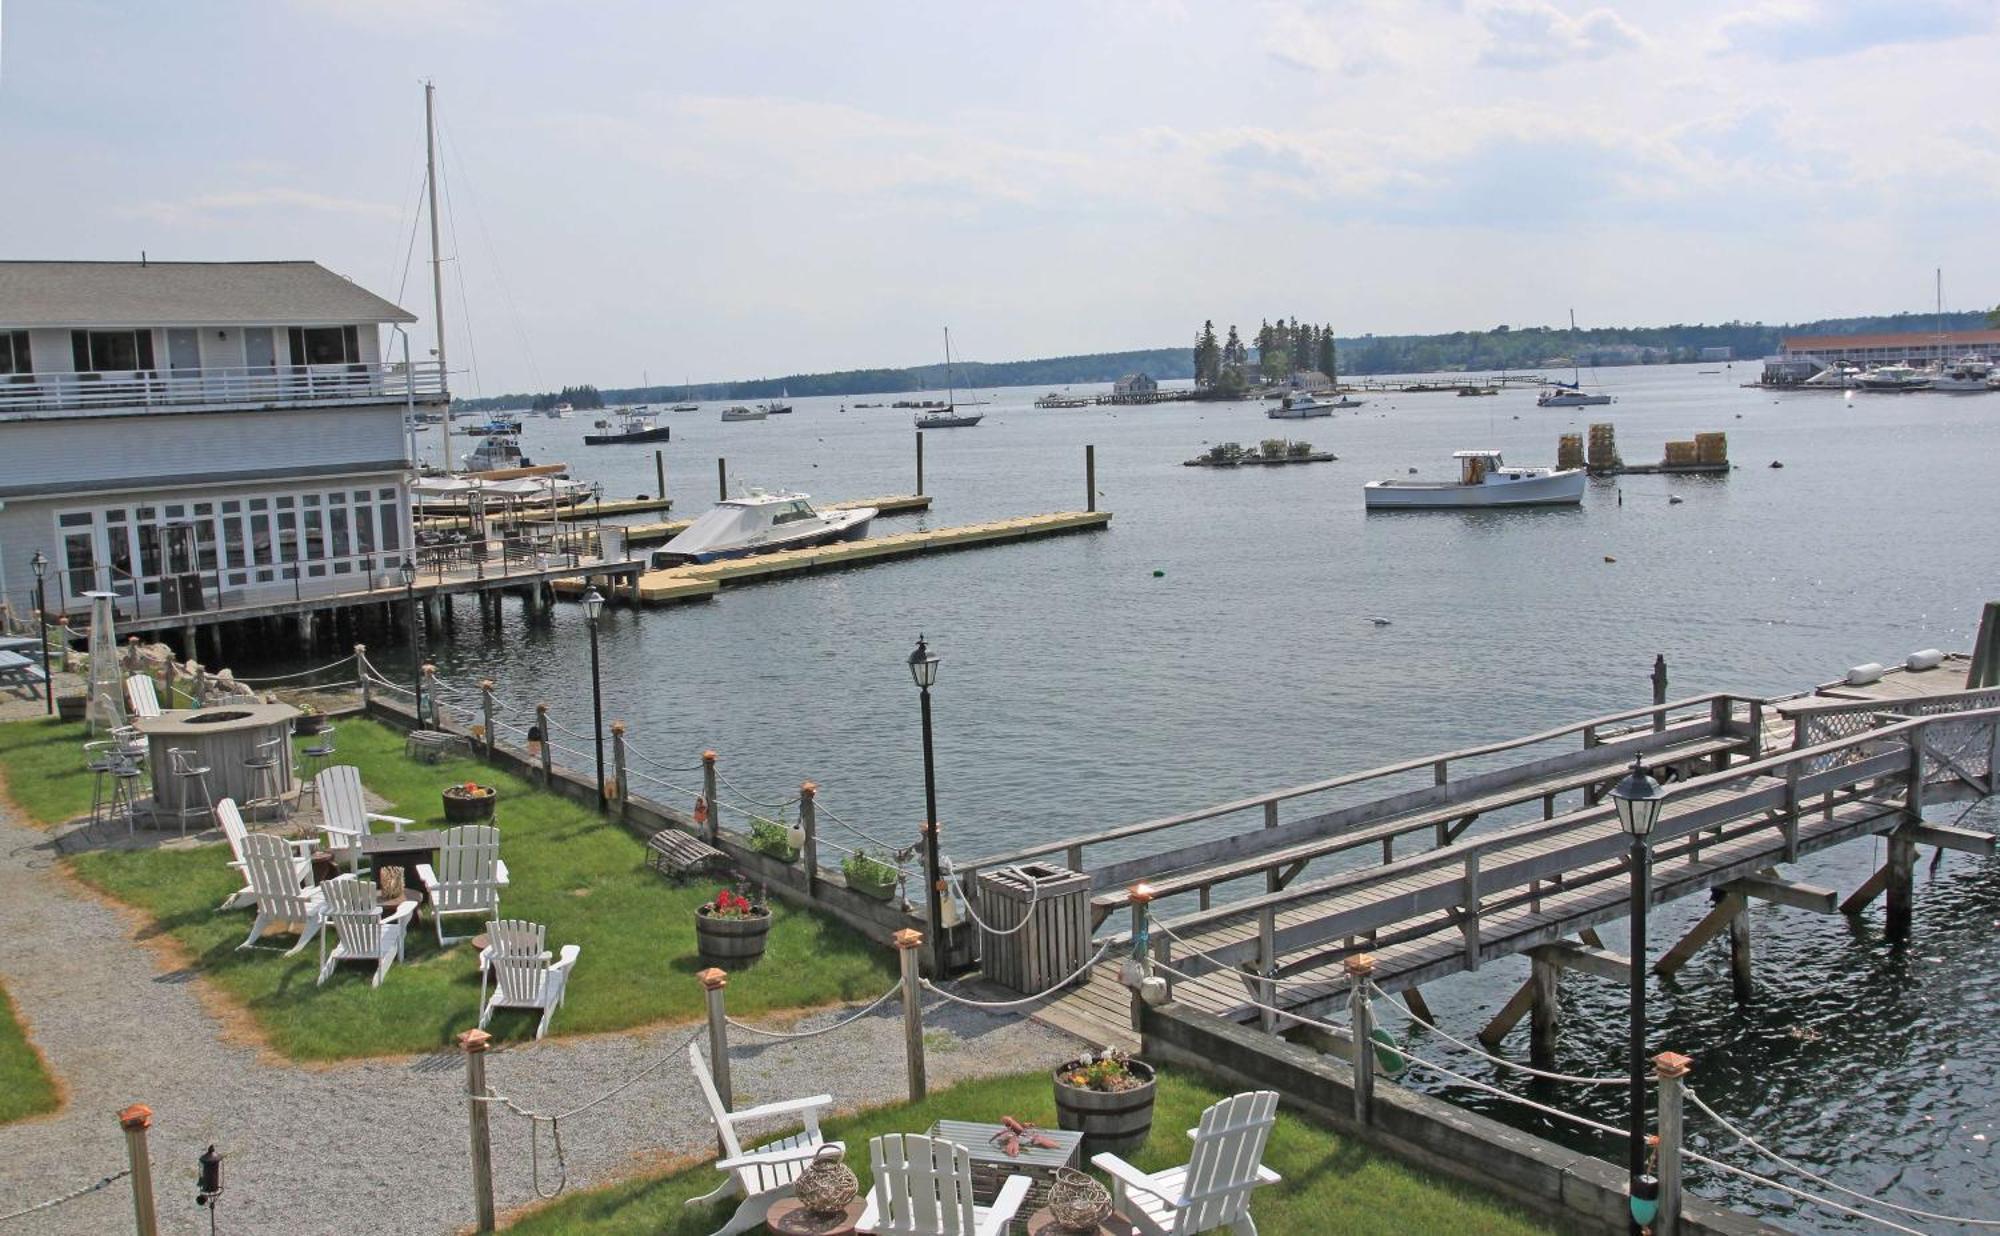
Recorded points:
667,530
698,582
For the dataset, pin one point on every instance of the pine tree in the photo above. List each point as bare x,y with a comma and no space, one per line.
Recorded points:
1207,356
1327,361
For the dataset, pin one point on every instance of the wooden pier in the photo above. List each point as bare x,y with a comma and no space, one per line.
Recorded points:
1753,783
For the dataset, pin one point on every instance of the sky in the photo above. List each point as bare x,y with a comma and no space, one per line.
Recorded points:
716,191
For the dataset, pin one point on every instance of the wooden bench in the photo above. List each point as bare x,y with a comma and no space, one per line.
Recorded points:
675,853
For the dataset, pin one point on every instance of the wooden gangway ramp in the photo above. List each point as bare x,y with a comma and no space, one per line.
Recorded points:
1449,862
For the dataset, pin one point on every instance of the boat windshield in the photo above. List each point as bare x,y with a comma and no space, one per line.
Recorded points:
791,512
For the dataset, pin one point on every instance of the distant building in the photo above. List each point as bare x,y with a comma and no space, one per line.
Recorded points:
200,435
1310,380
1921,347
1718,354
1134,384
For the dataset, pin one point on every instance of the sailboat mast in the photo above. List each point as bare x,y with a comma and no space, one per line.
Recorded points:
1575,371
437,266
950,391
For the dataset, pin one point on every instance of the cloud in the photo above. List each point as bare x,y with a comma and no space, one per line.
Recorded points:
1817,29
220,207
1534,34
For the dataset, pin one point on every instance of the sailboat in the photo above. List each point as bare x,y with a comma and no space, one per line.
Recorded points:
1970,374
1570,394
948,417
687,403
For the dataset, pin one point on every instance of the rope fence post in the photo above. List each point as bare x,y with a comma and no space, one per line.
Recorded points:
1138,968
429,676
809,821
1360,1014
548,754
1671,1070
621,787
909,946
474,1043
708,795
135,1120
360,673
713,980
486,714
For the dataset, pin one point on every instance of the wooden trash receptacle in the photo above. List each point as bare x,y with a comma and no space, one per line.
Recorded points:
1053,941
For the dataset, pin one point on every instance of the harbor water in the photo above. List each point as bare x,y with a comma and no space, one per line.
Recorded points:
1237,630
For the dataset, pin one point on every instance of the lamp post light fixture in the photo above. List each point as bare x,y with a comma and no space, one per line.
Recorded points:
409,573
41,564
924,670
1638,798
593,605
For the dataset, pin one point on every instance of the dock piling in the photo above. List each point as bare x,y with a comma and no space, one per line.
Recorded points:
487,709
1545,1013
1361,1020
1090,477
713,981
809,823
620,786
721,479
548,752
660,473
920,461
708,794
1670,1070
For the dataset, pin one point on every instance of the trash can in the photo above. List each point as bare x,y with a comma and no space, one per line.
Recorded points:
1044,912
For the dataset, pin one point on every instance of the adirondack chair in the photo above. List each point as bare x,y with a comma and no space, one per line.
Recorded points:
506,936
144,699
362,933
923,1187
764,1175
471,880
523,975
1213,1189
344,815
234,831
271,874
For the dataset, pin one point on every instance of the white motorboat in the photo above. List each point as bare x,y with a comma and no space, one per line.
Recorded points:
761,523
1484,480
686,407
1561,395
1968,375
560,412
1839,376
1299,407
741,413
1894,379
495,451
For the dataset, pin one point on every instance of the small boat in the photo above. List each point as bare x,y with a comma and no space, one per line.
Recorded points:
1056,399
1465,391
1968,375
741,413
779,406
1894,379
761,523
1564,395
1299,407
1839,376
687,407
1484,480
560,412
947,415
631,425
498,425
495,451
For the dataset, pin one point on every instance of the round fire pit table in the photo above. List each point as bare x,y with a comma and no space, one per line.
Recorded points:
219,738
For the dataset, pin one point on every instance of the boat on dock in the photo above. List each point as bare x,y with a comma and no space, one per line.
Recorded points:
741,413
1894,380
1968,375
1484,480
761,523
630,425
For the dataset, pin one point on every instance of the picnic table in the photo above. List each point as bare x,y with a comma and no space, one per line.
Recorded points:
19,643
18,671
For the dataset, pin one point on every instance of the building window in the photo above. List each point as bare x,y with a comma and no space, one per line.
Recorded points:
113,351
14,356
326,345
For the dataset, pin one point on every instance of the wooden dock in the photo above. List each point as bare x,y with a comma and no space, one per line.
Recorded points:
898,504
1753,783
700,581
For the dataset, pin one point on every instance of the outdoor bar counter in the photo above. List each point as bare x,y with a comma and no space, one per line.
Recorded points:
220,738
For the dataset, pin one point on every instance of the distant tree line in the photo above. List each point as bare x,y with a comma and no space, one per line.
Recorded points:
1270,355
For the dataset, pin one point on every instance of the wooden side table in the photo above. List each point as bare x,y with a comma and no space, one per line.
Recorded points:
1042,1223
789,1217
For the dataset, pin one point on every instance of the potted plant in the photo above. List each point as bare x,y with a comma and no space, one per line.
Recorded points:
1108,1097
309,721
774,839
72,707
730,927
869,875
470,803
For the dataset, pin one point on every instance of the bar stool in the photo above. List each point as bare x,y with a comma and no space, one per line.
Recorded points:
317,757
188,775
267,786
125,791
101,759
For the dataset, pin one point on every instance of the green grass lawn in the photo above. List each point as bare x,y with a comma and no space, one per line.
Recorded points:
42,761
26,1089
1331,1184
583,876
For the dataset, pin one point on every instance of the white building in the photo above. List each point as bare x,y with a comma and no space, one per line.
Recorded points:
199,436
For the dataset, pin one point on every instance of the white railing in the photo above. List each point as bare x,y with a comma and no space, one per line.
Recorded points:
265,385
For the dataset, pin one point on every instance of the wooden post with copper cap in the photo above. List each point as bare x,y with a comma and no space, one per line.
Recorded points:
708,795
1361,1024
1671,1070
135,1120
909,942
713,980
474,1043
620,786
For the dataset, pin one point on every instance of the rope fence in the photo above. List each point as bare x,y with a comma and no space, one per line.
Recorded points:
102,1183
1488,1056
795,1035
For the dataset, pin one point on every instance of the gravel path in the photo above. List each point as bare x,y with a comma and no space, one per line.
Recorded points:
333,1149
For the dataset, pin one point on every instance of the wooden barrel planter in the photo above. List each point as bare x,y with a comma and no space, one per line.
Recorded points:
72,707
469,806
1111,1121
731,940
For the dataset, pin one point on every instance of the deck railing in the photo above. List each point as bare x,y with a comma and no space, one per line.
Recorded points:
23,395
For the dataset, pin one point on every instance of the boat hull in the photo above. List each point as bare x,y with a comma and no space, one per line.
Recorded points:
1555,489
848,526
951,422
1299,414
1572,401
657,434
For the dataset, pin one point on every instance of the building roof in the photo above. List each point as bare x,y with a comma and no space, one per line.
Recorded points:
1912,339
78,294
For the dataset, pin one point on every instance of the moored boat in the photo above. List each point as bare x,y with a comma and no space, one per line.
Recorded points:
1484,480
761,523
496,451
630,425
947,415
1968,375
1894,379
1299,407
741,413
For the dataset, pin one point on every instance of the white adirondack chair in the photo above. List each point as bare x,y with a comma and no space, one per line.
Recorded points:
764,1175
506,936
233,830
362,933
1213,1189
468,877
923,1187
271,874
523,975
344,814
145,700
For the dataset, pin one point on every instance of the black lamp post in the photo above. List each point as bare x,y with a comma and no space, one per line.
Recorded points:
1638,798
409,573
41,564
593,605
924,669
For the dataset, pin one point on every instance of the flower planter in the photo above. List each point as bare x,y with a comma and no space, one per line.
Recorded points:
475,806
72,707
1111,1121
879,889
727,940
